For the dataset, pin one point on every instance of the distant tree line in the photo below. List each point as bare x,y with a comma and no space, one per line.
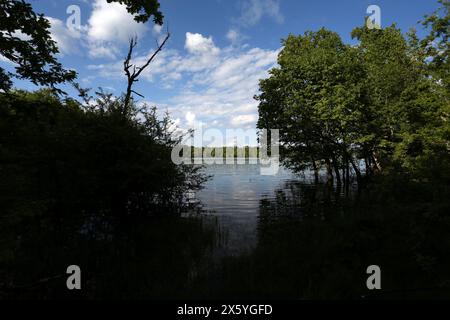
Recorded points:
224,152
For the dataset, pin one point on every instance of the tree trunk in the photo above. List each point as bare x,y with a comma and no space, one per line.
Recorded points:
329,171
336,171
376,163
347,176
356,169
368,167
316,171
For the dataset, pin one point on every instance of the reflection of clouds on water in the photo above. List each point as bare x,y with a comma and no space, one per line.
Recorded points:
234,194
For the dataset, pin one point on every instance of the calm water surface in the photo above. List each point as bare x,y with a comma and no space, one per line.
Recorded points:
234,194
256,236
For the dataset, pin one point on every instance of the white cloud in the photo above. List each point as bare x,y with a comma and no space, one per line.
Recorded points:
22,36
5,60
219,83
112,22
68,40
223,93
233,36
244,119
157,29
202,54
198,44
108,24
109,27
253,11
99,50
190,118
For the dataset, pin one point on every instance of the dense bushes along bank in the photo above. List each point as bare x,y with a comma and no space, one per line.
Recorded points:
60,156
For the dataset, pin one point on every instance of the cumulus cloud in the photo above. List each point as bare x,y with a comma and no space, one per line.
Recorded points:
169,65
112,22
222,94
215,85
109,27
219,83
108,24
198,44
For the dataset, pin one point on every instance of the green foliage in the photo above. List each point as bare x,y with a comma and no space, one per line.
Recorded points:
314,98
437,44
143,10
26,41
384,102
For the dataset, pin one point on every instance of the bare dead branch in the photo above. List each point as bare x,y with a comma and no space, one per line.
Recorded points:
137,93
133,72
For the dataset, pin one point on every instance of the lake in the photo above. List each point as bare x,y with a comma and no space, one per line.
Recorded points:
246,236
233,195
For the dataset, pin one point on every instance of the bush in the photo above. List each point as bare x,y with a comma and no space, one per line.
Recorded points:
60,156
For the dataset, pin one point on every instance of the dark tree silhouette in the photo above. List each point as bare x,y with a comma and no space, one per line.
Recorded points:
143,10
26,41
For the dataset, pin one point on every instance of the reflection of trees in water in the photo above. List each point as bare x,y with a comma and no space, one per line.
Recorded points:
296,200
315,243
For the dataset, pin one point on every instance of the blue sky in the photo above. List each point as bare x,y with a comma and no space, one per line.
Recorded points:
219,49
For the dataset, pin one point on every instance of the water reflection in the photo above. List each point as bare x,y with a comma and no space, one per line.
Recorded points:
253,237
292,238
314,241
233,195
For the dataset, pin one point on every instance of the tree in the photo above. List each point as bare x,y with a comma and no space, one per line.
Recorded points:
384,102
133,72
143,10
437,44
390,69
62,157
314,99
26,41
